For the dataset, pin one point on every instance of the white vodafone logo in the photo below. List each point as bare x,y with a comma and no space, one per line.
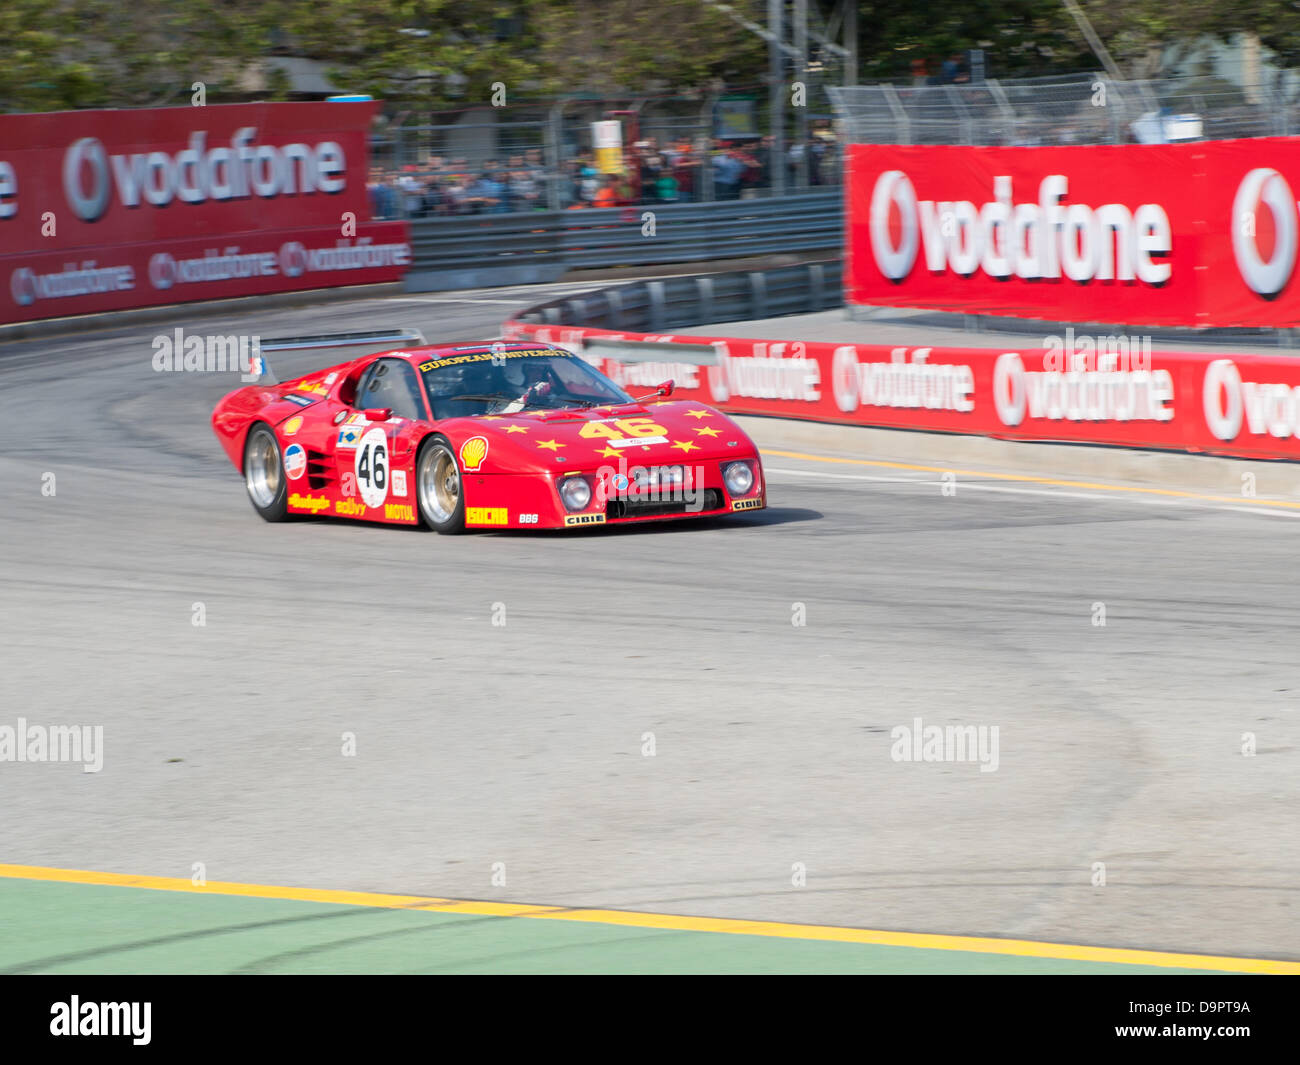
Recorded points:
22,286
293,258
86,154
1221,399
894,189
162,270
1009,393
1263,186
846,379
718,388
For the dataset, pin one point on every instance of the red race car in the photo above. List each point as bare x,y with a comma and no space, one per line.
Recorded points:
489,436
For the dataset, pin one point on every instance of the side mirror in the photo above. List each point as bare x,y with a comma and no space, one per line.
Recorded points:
378,414
666,389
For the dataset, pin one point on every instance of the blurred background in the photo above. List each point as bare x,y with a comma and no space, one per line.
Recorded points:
496,108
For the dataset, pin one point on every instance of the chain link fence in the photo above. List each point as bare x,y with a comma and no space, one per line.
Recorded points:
1071,109
541,157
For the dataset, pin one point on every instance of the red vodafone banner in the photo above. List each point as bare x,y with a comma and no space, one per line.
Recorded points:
102,210
1201,234
1097,390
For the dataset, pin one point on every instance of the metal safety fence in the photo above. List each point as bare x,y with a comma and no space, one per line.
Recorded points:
676,303
1086,108
513,249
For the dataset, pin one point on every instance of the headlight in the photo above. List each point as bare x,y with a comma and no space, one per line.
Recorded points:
575,493
738,477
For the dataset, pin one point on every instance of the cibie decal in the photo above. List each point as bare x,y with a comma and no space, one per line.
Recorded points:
399,483
372,468
293,425
472,453
295,461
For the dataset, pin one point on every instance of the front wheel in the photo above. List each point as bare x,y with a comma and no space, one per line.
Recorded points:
264,474
438,487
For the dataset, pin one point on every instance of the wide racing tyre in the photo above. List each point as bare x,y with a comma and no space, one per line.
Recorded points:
264,476
439,490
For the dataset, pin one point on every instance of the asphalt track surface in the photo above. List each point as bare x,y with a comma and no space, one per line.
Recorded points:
522,744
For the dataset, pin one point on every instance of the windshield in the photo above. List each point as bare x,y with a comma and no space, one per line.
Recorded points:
505,382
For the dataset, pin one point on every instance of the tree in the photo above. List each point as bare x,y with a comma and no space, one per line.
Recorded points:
432,52
105,53
624,47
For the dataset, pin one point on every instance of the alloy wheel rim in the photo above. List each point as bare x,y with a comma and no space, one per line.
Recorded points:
263,470
440,484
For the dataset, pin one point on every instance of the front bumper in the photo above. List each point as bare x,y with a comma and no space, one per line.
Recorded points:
532,501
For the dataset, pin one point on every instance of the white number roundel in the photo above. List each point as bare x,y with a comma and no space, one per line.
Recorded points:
372,468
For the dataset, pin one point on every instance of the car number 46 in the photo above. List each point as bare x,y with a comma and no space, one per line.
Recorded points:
625,427
372,468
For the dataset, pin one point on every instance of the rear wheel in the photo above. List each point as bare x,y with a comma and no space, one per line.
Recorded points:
264,474
438,487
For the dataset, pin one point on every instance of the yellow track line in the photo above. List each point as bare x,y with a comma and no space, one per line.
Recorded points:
670,922
1239,500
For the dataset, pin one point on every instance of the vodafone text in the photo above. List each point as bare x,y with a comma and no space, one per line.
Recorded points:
1268,408
899,382
194,174
773,370
1080,395
1004,239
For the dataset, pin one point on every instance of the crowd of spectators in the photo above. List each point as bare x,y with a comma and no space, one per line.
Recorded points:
650,174
451,186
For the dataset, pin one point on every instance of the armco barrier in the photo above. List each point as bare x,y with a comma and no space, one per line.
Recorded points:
470,251
1240,405
679,302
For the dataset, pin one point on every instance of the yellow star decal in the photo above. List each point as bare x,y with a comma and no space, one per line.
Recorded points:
698,413
516,428
706,431
549,445
609,452
686,445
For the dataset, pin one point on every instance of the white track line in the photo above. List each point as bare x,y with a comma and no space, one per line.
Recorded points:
969,485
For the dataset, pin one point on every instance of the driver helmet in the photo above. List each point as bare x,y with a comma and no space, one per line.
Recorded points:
526,372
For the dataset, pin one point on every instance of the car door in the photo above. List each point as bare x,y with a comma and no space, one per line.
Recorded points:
376,458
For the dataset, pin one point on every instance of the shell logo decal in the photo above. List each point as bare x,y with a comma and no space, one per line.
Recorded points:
472,453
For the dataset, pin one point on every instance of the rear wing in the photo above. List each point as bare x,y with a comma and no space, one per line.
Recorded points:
334,348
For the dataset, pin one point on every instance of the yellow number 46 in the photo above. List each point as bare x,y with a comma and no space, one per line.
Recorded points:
626,427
